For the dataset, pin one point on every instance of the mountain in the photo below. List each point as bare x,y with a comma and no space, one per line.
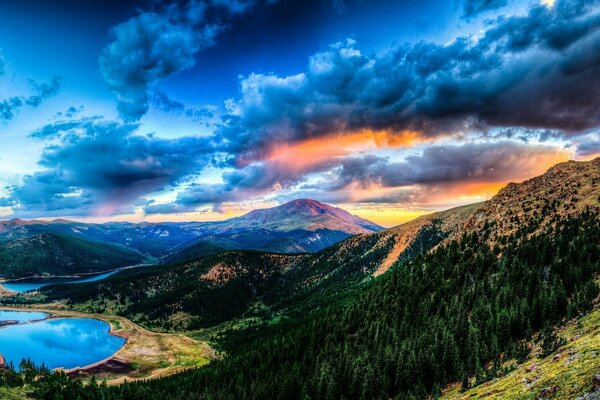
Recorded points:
565,191
154,239
54,254
298,226
295,227
303,214
456,298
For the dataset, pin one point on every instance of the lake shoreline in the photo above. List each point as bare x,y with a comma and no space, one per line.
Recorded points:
73,276
78,276
158,354
7,323
54,316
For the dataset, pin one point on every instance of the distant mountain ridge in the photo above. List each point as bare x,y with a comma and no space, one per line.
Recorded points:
306,214
273,277
299,226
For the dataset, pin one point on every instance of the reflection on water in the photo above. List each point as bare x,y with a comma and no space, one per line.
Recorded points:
65,342
22,316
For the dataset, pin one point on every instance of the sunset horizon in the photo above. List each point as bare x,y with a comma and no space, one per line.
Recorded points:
298,200
272,131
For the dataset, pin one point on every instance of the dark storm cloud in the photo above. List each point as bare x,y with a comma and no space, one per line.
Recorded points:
536,71
477,162
157,44
9,107
589,148
472,8
95,165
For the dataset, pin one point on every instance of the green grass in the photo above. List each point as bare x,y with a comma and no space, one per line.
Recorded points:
116,324
568,371
13,393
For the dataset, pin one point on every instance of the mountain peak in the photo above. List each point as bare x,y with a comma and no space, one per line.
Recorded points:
309,215
309,203
313,206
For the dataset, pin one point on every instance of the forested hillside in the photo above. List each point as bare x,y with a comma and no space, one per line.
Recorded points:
455,314
216,288
469,294
54,254
219,285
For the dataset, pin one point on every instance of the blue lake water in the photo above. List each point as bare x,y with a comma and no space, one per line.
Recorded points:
64,342
22,316
26,285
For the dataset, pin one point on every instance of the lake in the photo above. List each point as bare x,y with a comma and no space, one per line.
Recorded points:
61,342
22,316
26,285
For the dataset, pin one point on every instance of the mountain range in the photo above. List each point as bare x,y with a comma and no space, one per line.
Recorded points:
296,227
434,307
276,280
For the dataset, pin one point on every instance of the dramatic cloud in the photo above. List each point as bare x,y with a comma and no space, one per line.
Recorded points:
9,107
350,126
477,162
155,45
534,71
532,75
469,168
472,8
588,146
95,166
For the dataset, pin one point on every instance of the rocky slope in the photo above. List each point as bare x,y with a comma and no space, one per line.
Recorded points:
563,191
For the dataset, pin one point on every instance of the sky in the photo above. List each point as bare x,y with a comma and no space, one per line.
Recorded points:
204,110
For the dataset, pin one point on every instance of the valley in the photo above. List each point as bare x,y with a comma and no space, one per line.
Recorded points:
498,298
63,247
